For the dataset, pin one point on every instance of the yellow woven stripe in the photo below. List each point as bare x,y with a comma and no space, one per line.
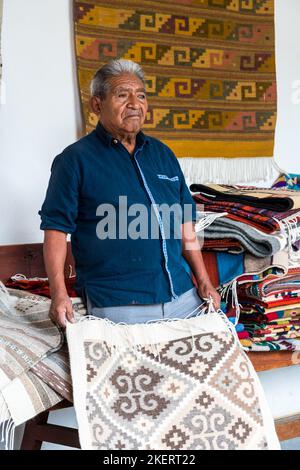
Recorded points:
209,149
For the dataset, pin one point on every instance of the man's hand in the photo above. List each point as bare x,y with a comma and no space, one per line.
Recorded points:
61,309
191,251
207,290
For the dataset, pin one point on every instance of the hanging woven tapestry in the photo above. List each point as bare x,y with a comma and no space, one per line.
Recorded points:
210,77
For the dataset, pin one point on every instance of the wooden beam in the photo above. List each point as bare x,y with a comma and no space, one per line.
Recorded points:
273,359
288,428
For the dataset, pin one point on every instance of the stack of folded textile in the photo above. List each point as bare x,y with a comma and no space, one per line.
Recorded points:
270,311
251,243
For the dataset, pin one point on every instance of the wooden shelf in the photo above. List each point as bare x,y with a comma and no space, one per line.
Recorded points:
273,359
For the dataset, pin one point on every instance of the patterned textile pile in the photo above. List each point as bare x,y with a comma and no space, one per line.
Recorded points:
210,77
251,244
270,311
27,335
176,385
289,181
34,361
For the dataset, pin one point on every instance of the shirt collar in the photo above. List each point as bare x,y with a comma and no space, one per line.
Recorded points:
108,139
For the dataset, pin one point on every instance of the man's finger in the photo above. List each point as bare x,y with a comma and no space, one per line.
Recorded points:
70,315
62,320
59,316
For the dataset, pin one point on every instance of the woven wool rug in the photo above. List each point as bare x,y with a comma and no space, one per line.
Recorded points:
210,69
177,385
27,336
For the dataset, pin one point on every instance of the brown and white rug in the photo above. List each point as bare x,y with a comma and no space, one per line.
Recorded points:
181,384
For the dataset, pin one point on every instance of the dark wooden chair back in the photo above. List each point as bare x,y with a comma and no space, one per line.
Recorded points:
28,259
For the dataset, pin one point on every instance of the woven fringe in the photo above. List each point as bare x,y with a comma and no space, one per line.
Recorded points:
229,170
205,219
291,230
230,289
7,426
7,301
181,324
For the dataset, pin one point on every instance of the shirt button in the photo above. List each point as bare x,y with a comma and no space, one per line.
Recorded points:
115,141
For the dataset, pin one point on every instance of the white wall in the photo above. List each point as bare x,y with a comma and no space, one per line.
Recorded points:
287,143
41,114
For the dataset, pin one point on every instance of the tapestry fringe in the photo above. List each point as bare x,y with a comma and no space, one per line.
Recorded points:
230,170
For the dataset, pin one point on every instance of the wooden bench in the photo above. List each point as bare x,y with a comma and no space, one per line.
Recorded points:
27,259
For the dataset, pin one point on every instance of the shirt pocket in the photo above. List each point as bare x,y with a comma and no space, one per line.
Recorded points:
168,188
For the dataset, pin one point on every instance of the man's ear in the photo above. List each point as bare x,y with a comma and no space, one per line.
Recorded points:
96,105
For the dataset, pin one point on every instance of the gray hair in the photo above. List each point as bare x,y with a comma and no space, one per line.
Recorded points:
100,83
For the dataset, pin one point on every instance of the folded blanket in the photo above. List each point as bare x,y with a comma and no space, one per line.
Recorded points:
282,318
22,399
225,267
288,181
54,369
262,219
222,244
274,288
271,199
275,312
266,346
253,240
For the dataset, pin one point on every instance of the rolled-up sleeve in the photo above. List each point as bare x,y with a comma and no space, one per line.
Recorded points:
60,208
189,208
188,205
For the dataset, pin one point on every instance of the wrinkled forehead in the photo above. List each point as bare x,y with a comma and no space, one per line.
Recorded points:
127,82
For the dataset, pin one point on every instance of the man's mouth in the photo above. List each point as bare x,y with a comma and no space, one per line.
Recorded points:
132,116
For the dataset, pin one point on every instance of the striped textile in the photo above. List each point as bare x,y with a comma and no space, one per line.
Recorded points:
54,369
27,336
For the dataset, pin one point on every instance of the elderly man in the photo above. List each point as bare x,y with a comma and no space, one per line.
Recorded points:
121,277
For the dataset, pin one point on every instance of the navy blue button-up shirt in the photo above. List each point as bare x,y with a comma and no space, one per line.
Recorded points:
119,270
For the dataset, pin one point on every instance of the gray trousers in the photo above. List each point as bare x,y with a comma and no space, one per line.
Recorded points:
186,305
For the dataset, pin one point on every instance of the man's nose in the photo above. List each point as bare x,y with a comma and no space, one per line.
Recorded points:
133,101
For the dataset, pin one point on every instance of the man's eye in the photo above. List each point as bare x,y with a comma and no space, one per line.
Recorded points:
122,95
142,96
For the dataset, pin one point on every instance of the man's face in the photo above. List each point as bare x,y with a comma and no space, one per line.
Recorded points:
124,109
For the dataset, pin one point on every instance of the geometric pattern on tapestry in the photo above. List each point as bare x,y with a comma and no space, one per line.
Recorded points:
198,394
209,65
